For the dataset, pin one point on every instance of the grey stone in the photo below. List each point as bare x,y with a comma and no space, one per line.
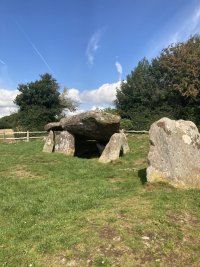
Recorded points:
174,154
91,125
65,143
49,143
118,142
54,126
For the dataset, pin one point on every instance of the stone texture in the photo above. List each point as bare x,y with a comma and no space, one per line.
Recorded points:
65,143
49,143
118,142
54,126
91,125
174,154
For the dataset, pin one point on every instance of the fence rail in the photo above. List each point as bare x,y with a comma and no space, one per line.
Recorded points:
29,135
26,135
137,132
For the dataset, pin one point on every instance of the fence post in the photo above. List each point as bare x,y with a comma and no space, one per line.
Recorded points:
27,136
4,135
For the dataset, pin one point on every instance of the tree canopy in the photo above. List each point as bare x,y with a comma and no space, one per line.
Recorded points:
179,66
168,86
41,102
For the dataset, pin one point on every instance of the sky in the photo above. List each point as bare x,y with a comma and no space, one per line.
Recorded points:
89,46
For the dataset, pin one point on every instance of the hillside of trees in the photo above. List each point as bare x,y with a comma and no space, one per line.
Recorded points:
167,86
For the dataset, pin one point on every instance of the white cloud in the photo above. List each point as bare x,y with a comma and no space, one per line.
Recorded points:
6,102
90,99
6,111
97,107
195,18
78,111
74,94
104,95
119,69
93,46
190,26
2,62
71,113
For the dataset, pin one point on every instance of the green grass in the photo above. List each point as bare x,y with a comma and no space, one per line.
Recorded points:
64,211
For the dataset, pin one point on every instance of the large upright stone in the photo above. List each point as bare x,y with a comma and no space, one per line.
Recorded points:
117,143
91,125
65,143
49,143
174,154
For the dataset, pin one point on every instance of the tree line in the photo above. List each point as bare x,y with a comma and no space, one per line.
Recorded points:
168,86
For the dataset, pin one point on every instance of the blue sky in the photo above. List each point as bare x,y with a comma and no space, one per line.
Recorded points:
87,45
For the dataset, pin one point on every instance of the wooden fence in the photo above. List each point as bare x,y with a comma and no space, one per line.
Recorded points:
37,135
22,135
136,132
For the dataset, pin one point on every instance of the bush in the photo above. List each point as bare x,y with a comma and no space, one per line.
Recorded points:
126,124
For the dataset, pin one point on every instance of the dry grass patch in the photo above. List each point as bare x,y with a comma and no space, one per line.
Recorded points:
20,171
139,162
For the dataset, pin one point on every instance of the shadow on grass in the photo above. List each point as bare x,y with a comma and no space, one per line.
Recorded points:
143,176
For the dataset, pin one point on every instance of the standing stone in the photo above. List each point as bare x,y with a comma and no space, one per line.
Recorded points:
65,143
125,146
49,144
117,143
174,154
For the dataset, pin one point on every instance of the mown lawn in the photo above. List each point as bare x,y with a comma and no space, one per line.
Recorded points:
64,211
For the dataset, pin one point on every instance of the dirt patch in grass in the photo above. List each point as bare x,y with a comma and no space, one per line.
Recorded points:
21,172
107,232
184,218
61,259
139,162
151,187
115,179
111,251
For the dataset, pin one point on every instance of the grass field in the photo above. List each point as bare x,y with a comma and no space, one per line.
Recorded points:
64,211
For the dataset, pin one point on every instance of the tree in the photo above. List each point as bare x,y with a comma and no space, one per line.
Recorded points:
180,66
111,111
139,97
178,69
67,102
8,122
168,86
40,102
